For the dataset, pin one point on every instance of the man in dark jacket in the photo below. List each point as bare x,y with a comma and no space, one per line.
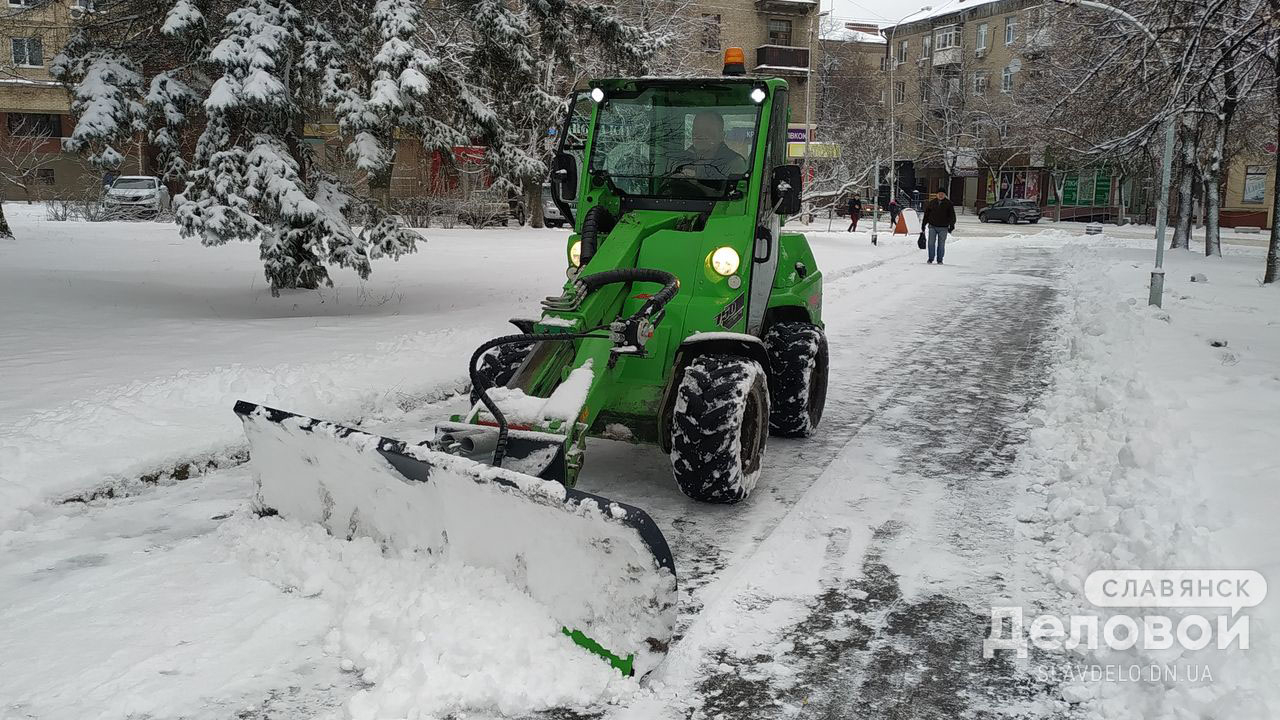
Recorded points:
893,212
855,211
939,219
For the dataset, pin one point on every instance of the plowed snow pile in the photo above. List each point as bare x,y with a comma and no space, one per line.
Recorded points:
432,638
1124,476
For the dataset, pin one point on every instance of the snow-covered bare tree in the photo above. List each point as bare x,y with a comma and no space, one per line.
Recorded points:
25,152
250,74
1271,57
849,109
1188,61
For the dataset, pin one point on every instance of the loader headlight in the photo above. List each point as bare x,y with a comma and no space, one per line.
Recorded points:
575,253
758,95
597,95
725,261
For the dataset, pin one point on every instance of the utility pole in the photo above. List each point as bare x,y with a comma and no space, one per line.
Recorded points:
875,205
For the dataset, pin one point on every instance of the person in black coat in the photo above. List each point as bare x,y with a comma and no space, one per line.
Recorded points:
939,219
855,211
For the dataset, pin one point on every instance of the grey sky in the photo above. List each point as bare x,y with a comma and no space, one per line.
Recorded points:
883,12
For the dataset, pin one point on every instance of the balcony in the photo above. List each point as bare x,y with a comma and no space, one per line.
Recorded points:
782,60
949,56
786,7
944,94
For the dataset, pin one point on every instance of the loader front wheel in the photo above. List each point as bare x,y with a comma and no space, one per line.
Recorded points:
719,427
797,379
500,365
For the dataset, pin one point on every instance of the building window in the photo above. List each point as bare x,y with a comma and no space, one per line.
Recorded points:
1010,30
779,32
975,129
980,82
902,51
882,95
920,130
1255,184
27,52
711,33
925,42
33,125
85,5
884,63
44,176
1006,80
23,3
947,37
984,33
1003,129
899,92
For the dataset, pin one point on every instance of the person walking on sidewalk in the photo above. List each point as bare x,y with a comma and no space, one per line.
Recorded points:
855,212
939,219
893,212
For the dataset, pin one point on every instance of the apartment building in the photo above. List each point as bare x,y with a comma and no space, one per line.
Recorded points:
950,74
848,73
777,37
35,110
1249,187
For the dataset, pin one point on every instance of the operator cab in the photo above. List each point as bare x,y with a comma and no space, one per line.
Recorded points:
682,144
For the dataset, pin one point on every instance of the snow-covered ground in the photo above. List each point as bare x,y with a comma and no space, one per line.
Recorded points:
996,429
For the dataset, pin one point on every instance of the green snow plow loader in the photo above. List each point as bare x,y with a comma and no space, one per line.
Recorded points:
689,319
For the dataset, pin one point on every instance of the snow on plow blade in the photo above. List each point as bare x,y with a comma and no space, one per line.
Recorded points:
601,568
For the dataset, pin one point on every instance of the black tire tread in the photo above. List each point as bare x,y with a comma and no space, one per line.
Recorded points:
705,458
796,350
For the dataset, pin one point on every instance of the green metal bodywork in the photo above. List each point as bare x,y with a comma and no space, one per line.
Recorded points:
628,390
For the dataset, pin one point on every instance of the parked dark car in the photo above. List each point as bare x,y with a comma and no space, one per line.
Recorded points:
1011,211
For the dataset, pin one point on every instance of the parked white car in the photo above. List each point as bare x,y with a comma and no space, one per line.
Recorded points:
142,195
551,214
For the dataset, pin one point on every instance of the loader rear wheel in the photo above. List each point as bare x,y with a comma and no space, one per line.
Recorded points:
719,427
500,365
797,378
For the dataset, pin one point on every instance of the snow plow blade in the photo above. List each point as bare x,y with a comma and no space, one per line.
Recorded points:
603,569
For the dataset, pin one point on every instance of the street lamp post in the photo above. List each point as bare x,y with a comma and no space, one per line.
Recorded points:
1162,203
893,98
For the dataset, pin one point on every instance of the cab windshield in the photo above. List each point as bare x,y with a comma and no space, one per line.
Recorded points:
688,142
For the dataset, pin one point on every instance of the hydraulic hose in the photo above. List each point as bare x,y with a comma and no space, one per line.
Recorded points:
670,285
598,220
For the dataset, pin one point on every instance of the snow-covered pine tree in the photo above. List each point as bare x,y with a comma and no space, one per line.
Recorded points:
253,176
459,73
530,56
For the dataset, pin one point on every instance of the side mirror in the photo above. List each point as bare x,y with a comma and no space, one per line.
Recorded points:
786,184
564,178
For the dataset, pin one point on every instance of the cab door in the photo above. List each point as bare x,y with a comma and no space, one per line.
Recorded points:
569,161
768,223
